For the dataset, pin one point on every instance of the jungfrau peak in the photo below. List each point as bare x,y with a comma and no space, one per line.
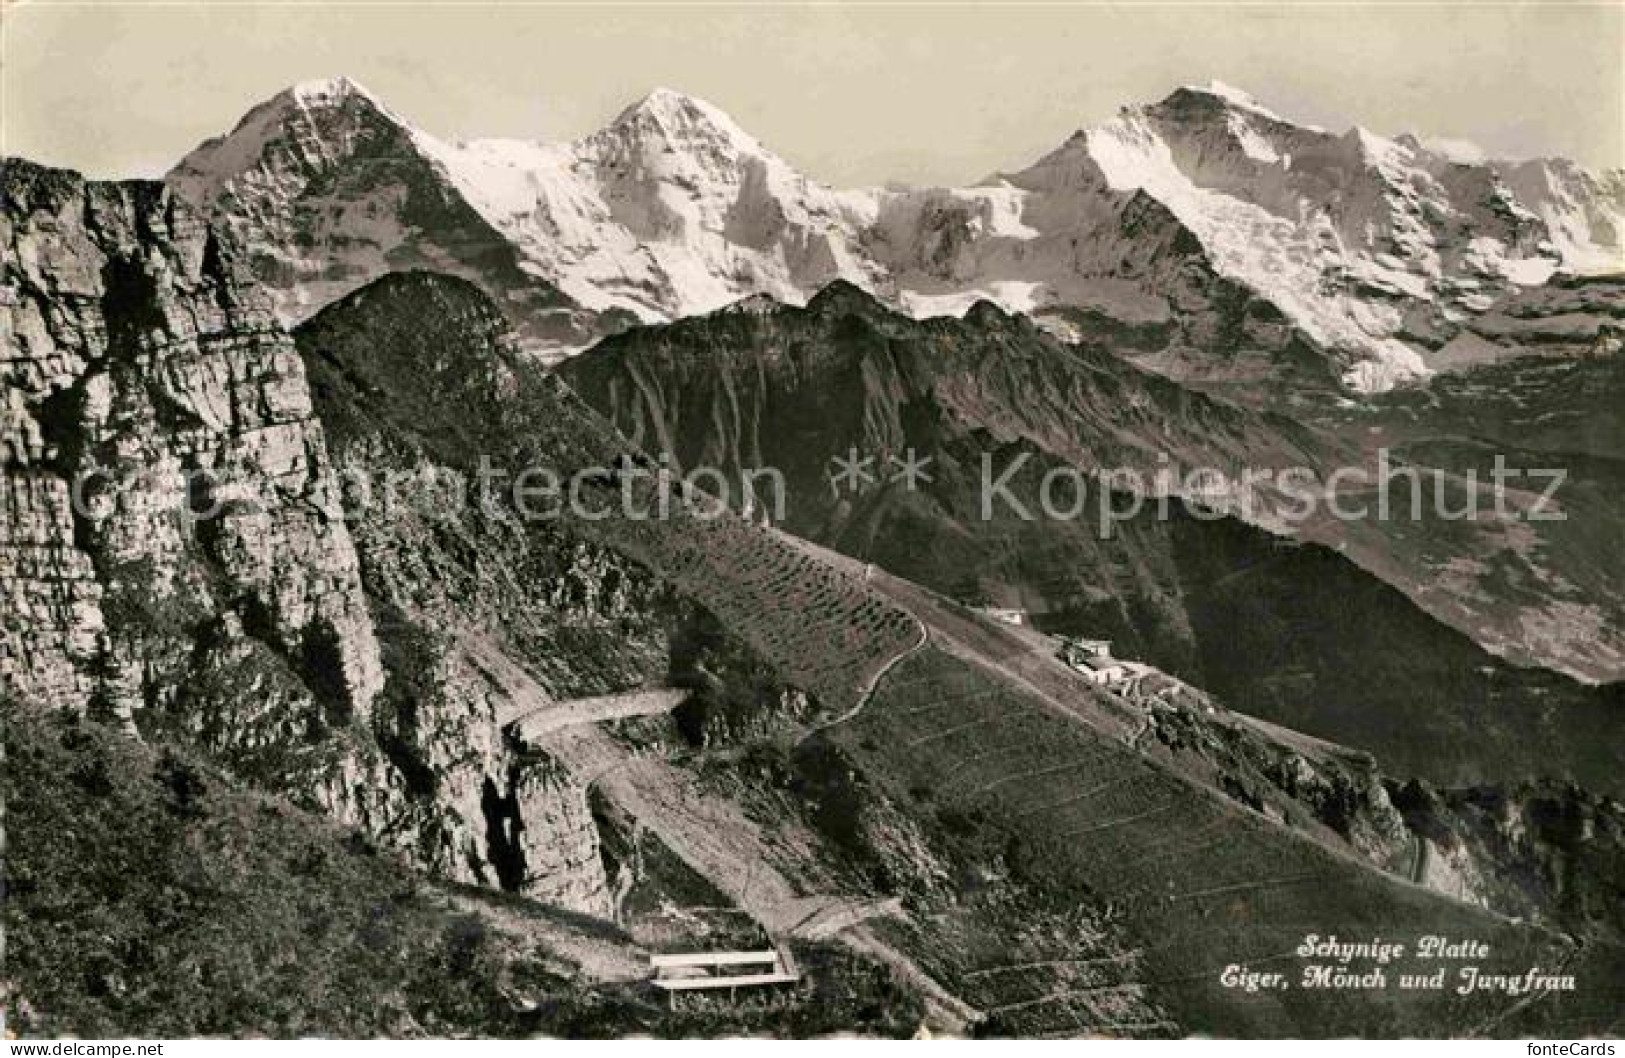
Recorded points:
1372,245
1204,235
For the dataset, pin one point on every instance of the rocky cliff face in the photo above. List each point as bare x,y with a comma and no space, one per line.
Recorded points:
462,588
489,610
762,383
1542,851
1547,852
170,502
176,554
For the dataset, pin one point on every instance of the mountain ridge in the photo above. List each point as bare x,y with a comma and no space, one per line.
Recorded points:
991,397
1371,250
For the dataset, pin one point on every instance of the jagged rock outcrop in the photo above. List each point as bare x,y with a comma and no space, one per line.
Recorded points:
1571,317
177,554
669,209
1543,851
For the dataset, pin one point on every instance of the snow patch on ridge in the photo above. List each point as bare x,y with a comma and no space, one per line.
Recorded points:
1236,97
1457,152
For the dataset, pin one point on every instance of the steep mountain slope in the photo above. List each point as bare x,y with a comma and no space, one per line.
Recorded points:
1573,317
1205,235
1373,246
1303,637
178,557
1530,390
668,210
418,371
189,905
161,458
990,399
329,189
1029,772
187,558
761,383
181,556
475,610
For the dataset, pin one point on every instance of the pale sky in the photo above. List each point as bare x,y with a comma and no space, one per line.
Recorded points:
854,94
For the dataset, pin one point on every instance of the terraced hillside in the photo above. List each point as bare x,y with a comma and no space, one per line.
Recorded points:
419,362
1054,866
1046,791
1486,605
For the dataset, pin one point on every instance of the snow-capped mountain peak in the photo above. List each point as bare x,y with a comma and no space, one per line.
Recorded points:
670,210
1375,246
1204,219
315,122
675,139
679,119
329,188
1455,151
328,89
1233,96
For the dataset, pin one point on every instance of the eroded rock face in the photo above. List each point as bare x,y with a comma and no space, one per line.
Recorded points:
148,390
54,629
1545,851
485,611
175,553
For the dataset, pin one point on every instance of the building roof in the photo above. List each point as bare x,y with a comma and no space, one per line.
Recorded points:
1100,664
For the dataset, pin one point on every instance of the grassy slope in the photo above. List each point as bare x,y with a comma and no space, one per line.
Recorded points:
1002,759
148,895
792,387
